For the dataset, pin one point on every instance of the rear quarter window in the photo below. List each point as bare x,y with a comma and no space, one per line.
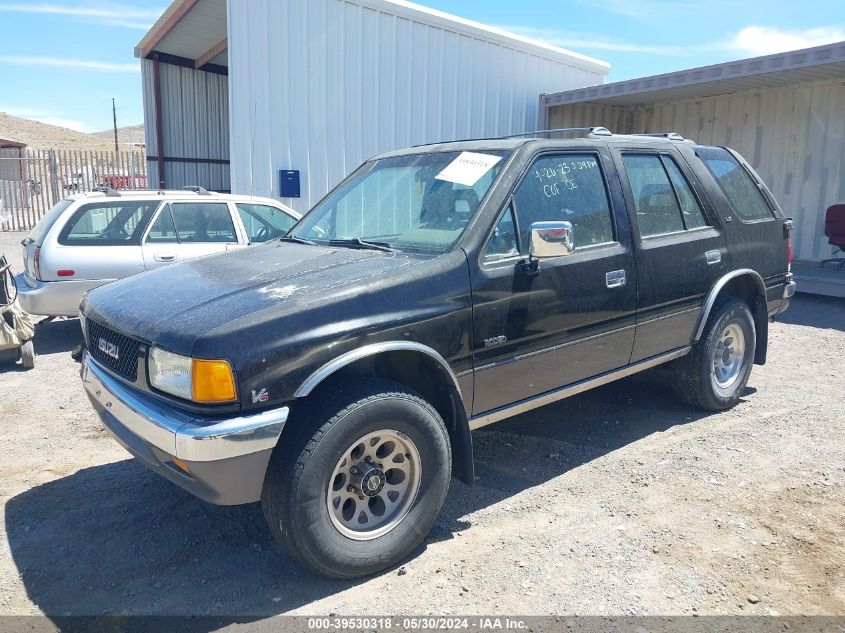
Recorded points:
742,192
112,223
45,224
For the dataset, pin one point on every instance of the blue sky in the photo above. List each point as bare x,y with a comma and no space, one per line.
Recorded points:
62,61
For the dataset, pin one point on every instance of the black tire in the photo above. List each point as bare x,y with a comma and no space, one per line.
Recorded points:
28,355
295,492
695,375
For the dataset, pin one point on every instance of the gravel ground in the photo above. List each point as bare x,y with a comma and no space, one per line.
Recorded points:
617,501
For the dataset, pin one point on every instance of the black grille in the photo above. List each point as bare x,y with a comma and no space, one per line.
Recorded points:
104,344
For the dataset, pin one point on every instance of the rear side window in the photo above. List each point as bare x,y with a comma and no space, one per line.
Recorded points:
692,214
198,222
112,223
163,229
565,187
742,192
663,199
263,222
44,224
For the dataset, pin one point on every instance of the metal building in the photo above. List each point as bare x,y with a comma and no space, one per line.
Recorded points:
237,92
785,113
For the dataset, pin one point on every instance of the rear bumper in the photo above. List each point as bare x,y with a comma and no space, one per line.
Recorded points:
220,461
53,298
789,288
779,292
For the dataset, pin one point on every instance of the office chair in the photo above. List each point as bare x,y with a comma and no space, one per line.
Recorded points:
834,228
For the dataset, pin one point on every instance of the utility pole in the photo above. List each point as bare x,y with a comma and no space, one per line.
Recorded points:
114,118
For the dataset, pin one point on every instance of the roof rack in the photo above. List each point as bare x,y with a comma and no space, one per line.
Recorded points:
200,191
111,193
672,136
594,131
589,132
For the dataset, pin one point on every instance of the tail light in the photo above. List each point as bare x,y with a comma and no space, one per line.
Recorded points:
789,250
36,263
65,272
787,233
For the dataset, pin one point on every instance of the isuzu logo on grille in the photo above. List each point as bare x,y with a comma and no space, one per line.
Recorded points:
107,348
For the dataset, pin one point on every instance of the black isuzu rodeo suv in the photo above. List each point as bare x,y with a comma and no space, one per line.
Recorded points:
335,374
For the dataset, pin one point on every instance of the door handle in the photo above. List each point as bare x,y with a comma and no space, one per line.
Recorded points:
615,279
164,257
713,257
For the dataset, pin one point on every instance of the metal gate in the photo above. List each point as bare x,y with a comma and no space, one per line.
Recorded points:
32,181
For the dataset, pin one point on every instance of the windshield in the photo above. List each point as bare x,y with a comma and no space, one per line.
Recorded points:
420,202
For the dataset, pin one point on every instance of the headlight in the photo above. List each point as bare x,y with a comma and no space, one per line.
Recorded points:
194,379
171,373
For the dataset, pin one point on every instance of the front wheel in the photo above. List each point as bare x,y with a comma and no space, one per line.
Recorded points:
715,372
357,491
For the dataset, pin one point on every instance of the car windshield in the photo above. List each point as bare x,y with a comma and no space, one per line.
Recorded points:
419,202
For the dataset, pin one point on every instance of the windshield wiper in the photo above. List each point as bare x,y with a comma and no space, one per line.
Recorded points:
357,242
296,239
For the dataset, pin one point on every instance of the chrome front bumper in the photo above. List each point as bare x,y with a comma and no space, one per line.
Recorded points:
221,461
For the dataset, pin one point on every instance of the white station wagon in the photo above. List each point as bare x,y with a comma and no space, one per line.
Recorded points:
90,239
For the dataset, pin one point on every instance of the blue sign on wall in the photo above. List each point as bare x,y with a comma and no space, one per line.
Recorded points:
289,183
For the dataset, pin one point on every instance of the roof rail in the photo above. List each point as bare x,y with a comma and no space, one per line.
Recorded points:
594,131
200,191
672,136
588,131
111,193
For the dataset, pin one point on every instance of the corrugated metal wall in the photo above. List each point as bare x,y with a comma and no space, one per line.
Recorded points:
322,85
794,137
195,123
614,118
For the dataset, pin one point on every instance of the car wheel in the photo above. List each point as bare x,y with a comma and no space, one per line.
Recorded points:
715,372
357,491
28,355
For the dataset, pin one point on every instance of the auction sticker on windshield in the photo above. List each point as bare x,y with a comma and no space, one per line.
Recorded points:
468,168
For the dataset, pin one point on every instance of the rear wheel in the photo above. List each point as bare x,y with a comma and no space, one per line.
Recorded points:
715,372
358,490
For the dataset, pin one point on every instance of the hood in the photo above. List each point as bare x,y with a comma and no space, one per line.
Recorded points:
175,305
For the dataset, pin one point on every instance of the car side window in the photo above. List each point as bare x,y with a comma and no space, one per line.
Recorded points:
163,230
263,222
692,215
663,199
502,243
113,223
742,192
202,222
565,187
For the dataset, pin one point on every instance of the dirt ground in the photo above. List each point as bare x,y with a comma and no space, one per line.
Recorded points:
617,501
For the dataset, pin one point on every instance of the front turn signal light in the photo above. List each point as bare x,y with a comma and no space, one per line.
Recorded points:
212,381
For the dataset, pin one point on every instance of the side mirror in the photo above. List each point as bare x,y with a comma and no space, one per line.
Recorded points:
551,239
